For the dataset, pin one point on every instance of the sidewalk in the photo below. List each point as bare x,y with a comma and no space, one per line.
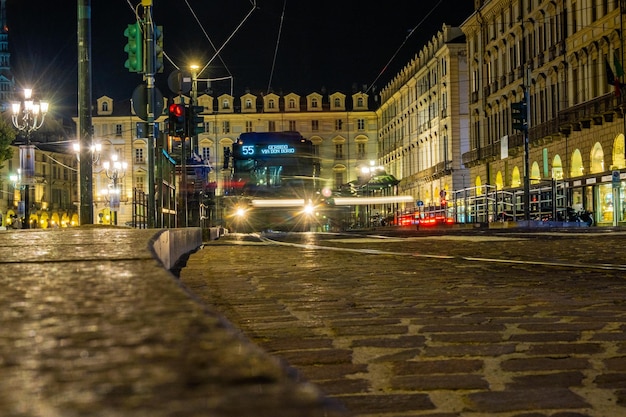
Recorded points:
92,324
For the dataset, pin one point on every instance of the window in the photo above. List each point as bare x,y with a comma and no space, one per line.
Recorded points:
226,104
338,124
359,102
139,156
118,130
139,183
360,150
271,104
360,124
316,150
292,125
315,125
292,103
248,126
314,103
337,102
338,180
339,151
248,103
225,126
206,153
271,126
105,106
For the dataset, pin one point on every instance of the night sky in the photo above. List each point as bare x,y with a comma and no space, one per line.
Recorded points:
331,45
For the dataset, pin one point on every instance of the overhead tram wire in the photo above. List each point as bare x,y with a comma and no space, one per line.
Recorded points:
206,35
402,45
217,52
280,30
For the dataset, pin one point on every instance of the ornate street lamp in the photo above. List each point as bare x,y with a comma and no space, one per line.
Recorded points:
115,171
95,150
28,116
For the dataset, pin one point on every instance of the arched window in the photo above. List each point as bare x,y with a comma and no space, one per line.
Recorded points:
557,168
516,178
499,182
292,103
577,168
248,103
535,173
597,159
271,104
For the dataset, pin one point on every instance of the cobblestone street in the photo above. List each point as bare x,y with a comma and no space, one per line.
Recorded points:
497,324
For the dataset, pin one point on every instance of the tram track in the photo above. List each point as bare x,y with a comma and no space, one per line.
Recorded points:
386,239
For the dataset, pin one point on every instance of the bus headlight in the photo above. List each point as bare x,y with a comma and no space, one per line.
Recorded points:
308,209
240,212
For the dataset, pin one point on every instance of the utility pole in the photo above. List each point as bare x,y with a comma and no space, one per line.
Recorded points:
84,112
526,152
150,56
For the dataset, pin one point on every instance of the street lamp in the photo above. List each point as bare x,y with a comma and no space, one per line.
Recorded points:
95,150
28,116
115,171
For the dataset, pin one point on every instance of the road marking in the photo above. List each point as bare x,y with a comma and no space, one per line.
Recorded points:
606,267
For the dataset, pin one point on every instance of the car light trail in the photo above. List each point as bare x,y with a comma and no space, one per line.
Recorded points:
355,201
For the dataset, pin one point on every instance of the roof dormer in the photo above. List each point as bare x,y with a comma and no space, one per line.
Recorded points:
206,101
338,102
314,102
270,103
225,104
104,106
248,103
292,102
359,101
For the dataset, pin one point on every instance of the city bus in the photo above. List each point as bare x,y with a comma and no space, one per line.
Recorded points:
273,183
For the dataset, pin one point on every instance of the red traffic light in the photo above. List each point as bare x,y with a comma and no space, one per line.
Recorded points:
176,110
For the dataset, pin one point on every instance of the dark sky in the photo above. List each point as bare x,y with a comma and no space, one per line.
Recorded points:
324,44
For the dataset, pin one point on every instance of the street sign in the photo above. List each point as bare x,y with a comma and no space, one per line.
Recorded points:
179,82
615,178
140,102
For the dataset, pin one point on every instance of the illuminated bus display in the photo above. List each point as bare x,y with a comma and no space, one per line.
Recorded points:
271,171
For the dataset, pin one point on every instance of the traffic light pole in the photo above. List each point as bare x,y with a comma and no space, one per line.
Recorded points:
148,30
527,151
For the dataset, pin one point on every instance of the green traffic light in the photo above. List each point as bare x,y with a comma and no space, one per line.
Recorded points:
134,47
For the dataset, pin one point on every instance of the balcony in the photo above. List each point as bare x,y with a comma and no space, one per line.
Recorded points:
594,112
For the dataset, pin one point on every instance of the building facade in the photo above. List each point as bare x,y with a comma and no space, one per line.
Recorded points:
566,57
424,121
53,192
343,130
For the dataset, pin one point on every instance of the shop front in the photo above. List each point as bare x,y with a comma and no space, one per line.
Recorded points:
604,196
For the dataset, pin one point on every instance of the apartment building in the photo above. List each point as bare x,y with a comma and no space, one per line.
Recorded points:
566,57
424,121
343,129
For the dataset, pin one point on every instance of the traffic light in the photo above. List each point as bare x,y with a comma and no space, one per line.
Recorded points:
519,116
134,48
158,48
195,120
176,120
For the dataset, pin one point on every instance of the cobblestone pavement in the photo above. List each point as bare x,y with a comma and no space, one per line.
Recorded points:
468,324
92,325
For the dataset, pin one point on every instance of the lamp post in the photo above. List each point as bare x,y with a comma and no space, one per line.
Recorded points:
94,150
115,171
28,116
